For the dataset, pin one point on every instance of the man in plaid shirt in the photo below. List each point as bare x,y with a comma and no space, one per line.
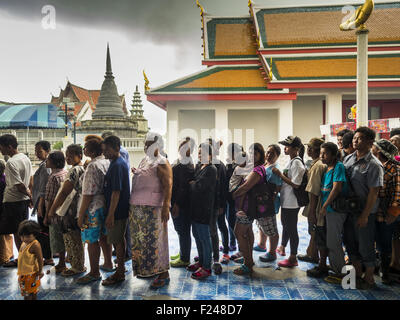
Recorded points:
389,203
56,162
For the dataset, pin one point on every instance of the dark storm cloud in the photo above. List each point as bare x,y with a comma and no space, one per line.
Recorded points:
162,21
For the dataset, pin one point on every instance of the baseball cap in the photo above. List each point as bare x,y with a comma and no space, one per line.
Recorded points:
291,141
315,143
388,149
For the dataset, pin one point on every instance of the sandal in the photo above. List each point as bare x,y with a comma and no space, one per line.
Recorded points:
281,253
239,260
71,272
243,270
259,249
225,259
159,283
287,264
87,279
318,272
11,264
201,274
113,279
193,267
60,269
268,257
334,278
102,267
236,256
49,262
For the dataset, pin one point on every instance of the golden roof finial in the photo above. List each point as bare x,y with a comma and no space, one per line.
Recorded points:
270,70
250,3
146,82
359,18
200,7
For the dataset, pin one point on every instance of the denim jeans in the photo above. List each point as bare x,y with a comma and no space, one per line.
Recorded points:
224,232
201,233
231,217
182,226
214,234
128,251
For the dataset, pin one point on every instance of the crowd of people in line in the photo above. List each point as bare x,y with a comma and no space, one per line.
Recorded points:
350,192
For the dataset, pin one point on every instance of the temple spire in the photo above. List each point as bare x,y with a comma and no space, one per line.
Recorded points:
137,105
109,73
109,104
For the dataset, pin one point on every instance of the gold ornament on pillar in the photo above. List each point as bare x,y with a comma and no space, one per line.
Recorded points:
270,70
146,82
359,18
202,12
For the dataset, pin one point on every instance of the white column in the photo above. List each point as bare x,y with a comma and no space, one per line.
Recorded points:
172,133
286,120
333,111
221,128
362,77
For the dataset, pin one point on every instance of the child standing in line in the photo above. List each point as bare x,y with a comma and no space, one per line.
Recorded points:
30,260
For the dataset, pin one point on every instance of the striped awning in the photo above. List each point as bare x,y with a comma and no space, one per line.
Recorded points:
32,116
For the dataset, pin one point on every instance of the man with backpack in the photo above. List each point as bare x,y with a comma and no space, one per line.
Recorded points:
313,188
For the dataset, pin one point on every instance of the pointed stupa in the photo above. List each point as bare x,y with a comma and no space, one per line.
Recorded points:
109,104
137,105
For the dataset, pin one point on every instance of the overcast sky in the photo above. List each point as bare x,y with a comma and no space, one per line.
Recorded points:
160,36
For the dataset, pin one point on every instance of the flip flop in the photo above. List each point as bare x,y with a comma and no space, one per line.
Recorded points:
46,263
87,279
243,270
102,267
111,280
159,283
60,269
259,249
11,264
71,272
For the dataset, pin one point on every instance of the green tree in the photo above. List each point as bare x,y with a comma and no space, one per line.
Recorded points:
58,145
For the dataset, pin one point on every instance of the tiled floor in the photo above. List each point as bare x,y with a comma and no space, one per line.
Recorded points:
226,286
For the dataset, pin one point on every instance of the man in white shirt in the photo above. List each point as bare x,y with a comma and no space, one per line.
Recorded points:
17,196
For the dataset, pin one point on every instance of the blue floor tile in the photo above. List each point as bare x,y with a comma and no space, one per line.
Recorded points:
276,293
226,286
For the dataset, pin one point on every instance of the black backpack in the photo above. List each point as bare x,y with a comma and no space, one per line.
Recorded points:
261,195
301,193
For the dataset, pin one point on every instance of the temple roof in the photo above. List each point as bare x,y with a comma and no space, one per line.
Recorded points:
244,78
229,38
317,26
231,82
82,96
327,68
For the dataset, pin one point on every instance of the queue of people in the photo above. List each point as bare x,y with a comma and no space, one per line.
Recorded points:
350,193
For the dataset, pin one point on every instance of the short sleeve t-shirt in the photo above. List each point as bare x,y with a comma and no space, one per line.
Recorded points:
117,179
125,155
364,173
295,171
18,171
338,174
260,170
273,178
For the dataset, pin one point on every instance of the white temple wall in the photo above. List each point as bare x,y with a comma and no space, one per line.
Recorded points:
307,116
266,122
